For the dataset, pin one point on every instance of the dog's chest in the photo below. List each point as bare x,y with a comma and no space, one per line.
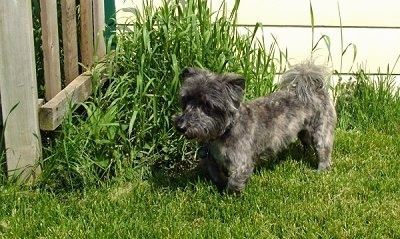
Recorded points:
219,153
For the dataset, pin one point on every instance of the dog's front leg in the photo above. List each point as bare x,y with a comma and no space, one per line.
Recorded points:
215,172
239,173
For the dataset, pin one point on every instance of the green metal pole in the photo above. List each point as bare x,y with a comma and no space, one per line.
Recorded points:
109,8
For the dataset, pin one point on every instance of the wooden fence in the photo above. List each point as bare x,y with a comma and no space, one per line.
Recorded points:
24,115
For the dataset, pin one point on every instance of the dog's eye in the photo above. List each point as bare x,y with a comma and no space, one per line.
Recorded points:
209,109
206,105
183,100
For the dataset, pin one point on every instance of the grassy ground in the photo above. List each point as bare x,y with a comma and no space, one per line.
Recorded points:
357,199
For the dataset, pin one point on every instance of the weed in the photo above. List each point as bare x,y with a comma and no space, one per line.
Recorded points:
3,164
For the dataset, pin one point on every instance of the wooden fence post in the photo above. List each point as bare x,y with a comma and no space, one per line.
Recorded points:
99,27
18,88
51,48
87,48
70,41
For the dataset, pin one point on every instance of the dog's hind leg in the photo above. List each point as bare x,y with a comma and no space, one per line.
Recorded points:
305,139
323,144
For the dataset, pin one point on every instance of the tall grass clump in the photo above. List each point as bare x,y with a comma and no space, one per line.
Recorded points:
368,102
127,125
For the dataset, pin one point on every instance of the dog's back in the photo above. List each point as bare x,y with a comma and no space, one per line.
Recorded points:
305,79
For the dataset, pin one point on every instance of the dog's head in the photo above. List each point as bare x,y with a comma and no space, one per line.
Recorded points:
209,102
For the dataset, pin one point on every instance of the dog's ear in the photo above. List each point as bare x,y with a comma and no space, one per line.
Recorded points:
235,87
187,72
237,81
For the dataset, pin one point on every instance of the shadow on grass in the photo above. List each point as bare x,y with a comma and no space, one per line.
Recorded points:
182,177
299,153
186,177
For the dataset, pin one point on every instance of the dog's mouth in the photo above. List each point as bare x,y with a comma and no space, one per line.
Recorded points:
183,127
186,133
190,129
180,130
189,134
197,134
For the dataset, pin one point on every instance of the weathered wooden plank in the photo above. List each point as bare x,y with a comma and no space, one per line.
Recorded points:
50,46
70,42
19,89
86,39
99,23
52,113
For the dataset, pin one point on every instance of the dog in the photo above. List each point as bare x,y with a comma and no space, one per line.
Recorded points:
233,134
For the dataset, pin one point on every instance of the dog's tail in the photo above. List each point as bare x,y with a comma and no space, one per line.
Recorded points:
305,79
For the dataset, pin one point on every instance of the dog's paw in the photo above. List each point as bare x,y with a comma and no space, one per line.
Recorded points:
236,193
324,166
234,188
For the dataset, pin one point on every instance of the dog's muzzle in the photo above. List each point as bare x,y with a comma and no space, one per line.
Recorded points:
179,123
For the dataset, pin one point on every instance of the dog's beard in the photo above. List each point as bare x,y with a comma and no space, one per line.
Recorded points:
197,133
202,132
199,126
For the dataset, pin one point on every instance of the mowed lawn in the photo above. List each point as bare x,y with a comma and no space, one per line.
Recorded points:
358,198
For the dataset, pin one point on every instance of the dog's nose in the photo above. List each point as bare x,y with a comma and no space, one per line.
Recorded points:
181,126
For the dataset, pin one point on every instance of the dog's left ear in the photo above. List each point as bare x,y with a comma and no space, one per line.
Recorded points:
237,81
235,86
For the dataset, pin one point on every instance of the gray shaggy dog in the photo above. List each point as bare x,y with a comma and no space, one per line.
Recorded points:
232,133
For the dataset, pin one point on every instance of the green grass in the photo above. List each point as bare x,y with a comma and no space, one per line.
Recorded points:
368,102
357,199
117,169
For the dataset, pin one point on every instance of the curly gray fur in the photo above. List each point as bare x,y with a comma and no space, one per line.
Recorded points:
305,78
